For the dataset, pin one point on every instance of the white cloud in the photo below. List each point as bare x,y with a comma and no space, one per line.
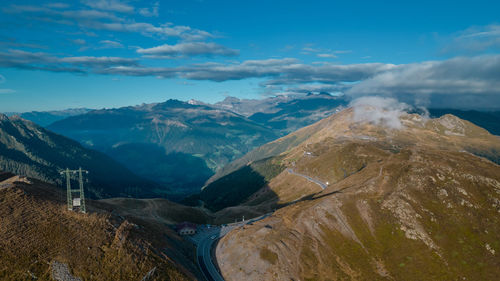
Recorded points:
43,61
461,75
462,82
109,5
287,71
310,50
150,12
165,30
379,111
475,39
104,20
188,49
326,56
97,61
108,44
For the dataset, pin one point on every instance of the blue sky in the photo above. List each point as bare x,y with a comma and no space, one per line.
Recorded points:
110,53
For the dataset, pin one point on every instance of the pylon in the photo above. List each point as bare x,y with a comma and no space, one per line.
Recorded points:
79,201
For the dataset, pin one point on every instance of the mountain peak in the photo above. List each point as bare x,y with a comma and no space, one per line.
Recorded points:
195,102
231,99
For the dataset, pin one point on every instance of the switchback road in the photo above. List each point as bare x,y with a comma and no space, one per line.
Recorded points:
320,183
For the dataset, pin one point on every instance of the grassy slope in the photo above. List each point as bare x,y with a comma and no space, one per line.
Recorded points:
409,205
490,120
37,230
338,128
157,210
416,215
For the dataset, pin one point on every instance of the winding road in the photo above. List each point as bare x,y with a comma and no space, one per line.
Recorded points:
206,237
205,240
320,183
203,254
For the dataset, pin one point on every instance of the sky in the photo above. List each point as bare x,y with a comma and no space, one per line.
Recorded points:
112,53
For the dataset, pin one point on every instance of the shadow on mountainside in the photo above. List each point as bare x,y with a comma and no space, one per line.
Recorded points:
233,189
245,194
179,174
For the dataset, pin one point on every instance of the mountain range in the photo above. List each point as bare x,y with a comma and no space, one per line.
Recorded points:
45,118
30,150
188,142
285,114
174,143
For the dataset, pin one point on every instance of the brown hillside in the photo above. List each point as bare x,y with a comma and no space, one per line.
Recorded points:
38,235
402,204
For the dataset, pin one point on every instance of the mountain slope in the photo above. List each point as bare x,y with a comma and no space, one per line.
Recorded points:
30,150
489,120
165,140
41,240
464,137
402,202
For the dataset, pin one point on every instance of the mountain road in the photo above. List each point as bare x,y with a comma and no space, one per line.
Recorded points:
318,182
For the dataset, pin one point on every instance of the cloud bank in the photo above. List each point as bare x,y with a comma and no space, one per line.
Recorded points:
467,82
470,81
463,82
102,17
43,61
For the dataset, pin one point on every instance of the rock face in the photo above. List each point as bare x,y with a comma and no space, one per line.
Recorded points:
61,272
402,204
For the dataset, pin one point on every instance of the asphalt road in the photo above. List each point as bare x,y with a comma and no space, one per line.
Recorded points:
204,257
205,239
320,183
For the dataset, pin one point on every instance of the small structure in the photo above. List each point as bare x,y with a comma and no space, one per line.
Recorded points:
186,228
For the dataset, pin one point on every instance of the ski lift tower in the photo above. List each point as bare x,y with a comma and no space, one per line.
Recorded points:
79,200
